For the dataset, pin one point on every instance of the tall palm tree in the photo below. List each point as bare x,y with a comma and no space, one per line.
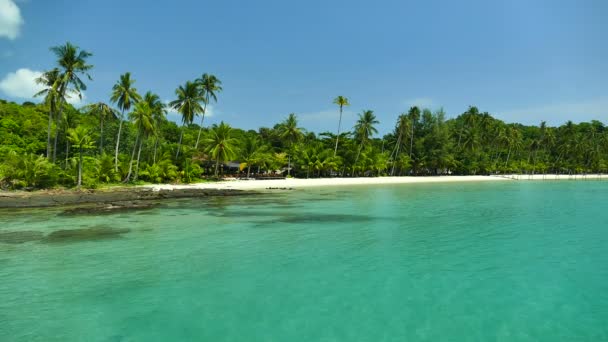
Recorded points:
252,152
341,101
51,80
221,145
80,137
364,129
125,96
209,86
72,64
159,112
104,112
188,104
403,123
144,122
414,115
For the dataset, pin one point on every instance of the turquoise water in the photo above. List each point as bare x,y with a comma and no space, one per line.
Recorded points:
506,261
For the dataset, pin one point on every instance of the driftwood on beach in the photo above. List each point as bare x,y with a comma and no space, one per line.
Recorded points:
59,198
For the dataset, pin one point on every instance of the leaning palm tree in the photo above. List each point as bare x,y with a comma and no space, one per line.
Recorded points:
220,144
402,128
209,86
188,104
104,112
50,80
125,96
144,122
414,115
72,64
80,137
364,129
340,101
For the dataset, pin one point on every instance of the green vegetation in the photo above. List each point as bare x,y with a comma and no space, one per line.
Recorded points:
54,144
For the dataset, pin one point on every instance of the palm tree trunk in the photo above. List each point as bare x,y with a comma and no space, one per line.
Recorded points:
412,140
396,153
357,159
101,136
338,135
67,152
137,164
155,146
118,141
132,157
248,170
179,144
202,119
80,168
58,118
48,136
217,164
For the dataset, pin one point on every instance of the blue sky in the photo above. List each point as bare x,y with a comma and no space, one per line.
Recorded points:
522,61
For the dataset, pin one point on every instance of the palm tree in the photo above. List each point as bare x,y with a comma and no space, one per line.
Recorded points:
290,131
159,112
220,144
51,81
125,96
80,137
364,128
414,115
209,86
252,152
104,112
188,105
340,101
142,118
403,123
72,63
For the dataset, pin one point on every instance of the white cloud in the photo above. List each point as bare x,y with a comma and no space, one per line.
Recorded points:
559,113
421,102
327,120
77,101
21,83
10,19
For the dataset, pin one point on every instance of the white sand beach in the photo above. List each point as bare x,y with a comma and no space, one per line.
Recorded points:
296,183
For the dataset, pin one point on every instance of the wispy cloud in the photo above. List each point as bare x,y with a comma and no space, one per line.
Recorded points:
10,19
327,119
559,112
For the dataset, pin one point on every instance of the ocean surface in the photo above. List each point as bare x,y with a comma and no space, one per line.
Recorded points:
504,261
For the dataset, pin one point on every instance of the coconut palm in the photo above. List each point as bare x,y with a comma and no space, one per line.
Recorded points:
72,64
364,129
341,101
289,130
252,152
125,96
209,86
188,104
51,81
403,123
104,112
81,138
413,115
159,112
221,145
143,121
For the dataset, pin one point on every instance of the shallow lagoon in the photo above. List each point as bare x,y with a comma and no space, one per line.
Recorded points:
506,261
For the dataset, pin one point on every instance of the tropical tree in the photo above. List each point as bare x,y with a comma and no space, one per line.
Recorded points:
159,112
188,105
51,81
143,121
252,152
289,130
209,86
125,96
72,64
104,112
341,101
220,144
413,115
81,138
364,129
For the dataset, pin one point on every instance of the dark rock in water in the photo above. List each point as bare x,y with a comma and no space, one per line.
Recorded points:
107,208
20,237
86,234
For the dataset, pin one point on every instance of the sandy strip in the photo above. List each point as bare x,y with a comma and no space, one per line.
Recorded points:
296,183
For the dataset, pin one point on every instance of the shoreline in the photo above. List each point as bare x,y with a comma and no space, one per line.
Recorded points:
120,198
296,183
